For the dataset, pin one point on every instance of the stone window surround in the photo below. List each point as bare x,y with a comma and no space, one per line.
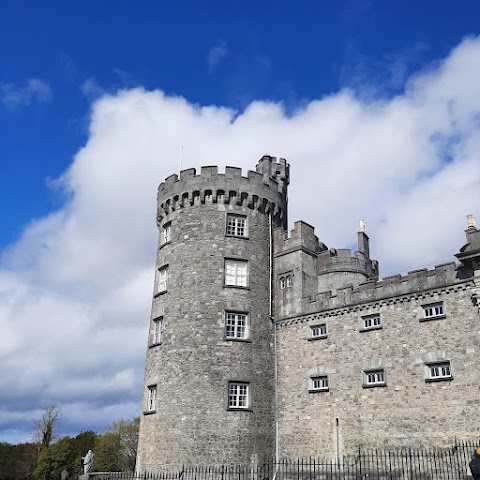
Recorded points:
166,234
151,399
156,335
246,338
442,378
425,316
285,280
235,226
375,384
163,268
236,260
323,378
365,318
321,335
248,407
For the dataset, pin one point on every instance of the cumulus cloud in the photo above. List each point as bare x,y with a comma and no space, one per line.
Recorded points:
75,290
13,96
216,54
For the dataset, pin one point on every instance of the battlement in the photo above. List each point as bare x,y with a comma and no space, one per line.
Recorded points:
414,282
264,189
302,237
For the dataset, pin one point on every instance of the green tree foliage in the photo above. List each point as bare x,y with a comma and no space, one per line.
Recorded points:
52,460
116,450
17,462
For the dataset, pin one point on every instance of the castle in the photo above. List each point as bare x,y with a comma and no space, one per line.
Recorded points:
265,345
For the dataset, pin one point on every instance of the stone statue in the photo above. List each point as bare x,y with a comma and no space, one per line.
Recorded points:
64,475
88,462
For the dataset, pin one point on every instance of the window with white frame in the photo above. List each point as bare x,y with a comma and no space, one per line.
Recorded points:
439,371
319,383
166,233
162,279
433,311
282,282
374,378
236,326
318,331
371,322
236,225
152,398
238,395
236,273
289,281
157,330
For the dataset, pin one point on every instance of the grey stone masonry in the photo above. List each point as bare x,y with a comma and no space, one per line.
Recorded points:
254,332
213,384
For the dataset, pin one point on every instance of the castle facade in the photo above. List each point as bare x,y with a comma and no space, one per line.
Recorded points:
265,345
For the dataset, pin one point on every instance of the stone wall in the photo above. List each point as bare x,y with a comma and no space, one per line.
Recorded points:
408,411
194,362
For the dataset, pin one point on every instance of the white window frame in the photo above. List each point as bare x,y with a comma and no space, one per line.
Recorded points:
289,281
158,326
152,398
162,279
283,283
236,325
236,225
166,233
371,322
318,331
319,383
439,371
433,311
374,378
236,273
238,395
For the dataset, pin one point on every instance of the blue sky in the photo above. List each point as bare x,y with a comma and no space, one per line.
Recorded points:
374,103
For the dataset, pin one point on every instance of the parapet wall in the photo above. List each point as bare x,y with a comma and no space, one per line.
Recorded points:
264,189
302,237
414,282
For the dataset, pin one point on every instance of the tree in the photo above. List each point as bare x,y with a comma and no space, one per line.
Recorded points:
116,450
52,460
46,429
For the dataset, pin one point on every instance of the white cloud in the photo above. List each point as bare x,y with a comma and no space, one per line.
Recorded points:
13,96
76,288
216,54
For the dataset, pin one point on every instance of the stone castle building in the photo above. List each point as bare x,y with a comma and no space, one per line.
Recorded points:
265,345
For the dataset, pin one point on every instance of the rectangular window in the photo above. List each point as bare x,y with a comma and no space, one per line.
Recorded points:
236,325
374,378
371,322
236,273
238,395
439,371
157,330
318,331
162,279
319,384
282,283
166,233
236,225
433,311
152,398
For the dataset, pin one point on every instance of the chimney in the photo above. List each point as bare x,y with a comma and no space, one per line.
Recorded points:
363,245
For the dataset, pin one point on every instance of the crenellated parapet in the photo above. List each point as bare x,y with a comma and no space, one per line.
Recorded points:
302,237
392,287
264,190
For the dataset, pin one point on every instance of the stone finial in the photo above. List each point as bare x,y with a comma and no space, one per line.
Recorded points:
471,222
363,226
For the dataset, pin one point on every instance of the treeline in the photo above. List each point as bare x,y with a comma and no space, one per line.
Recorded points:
114,451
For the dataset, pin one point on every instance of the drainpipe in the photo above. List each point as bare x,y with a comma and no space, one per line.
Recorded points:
275,369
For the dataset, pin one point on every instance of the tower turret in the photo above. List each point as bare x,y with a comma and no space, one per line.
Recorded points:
209,386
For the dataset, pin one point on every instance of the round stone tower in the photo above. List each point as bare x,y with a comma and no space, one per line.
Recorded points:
209,376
